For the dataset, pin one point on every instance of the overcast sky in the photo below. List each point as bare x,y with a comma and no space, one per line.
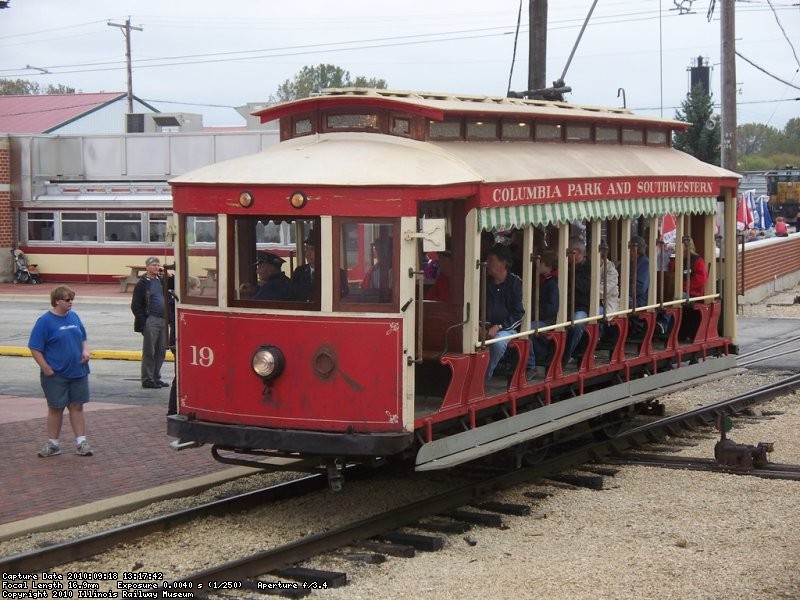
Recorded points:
208,56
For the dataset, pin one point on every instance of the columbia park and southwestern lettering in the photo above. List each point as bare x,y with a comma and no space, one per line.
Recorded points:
617,189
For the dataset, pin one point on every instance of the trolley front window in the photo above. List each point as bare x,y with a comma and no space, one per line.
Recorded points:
199,242
276,261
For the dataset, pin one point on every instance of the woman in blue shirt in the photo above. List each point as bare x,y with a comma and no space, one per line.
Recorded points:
59,346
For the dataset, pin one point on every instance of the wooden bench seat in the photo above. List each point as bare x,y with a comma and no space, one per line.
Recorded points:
438,317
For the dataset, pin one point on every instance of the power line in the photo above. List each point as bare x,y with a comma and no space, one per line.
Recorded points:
784,32
763,70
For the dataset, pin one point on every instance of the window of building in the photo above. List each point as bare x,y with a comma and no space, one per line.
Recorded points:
158,227
79,227
123,227
274,234
41,226
113,227
366,259
201,230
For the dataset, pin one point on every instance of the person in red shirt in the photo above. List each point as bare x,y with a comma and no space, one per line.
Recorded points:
698,274
780,227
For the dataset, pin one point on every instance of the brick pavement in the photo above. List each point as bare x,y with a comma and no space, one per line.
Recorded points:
131,448
131,453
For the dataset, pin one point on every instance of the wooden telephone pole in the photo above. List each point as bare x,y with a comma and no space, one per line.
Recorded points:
728,84
126,31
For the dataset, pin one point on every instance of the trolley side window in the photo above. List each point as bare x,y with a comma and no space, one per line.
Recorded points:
199,242
366,258
276,261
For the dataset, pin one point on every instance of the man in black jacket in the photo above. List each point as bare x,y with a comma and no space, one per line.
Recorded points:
504,310
148,306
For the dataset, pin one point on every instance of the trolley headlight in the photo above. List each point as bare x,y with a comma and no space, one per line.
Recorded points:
268,362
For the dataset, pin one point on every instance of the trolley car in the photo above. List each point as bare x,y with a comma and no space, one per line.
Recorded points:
358,365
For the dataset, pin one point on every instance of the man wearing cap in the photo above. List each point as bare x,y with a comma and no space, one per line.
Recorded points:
303,276
274,284
148,306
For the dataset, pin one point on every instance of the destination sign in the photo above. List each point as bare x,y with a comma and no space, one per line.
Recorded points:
600,189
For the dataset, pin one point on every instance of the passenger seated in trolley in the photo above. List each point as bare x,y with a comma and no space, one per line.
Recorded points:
273,282
504,309
609,283
640,270
303,276
580,274
548,298
695,275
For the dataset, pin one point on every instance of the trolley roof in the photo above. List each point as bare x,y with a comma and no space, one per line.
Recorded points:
438,106
367,159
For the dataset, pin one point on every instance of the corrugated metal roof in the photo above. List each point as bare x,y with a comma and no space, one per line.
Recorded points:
42,113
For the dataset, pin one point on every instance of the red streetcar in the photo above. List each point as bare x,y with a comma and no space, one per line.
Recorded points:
304,336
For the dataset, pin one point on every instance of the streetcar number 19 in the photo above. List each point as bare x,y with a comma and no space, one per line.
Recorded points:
202,356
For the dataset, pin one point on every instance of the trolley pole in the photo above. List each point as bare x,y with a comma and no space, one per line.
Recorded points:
537,48
728,84
126,31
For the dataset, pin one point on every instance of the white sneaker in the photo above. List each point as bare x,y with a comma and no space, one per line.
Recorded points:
49,449
84,449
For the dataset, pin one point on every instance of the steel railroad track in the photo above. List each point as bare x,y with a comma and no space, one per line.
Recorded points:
769,471
252,567
277,558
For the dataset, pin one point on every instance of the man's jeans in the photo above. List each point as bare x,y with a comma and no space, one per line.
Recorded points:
496,351
154,347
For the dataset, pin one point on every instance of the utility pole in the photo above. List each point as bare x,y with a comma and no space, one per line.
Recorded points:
728,84
126,31
537,45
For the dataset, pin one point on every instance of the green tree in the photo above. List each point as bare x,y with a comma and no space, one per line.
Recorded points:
787,141
751,138
18,87
59,89
702,139
313,79
23,87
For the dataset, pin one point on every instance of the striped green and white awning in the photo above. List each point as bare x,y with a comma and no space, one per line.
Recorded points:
504,217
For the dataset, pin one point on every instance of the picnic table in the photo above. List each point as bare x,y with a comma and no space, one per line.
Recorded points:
209,281
131,278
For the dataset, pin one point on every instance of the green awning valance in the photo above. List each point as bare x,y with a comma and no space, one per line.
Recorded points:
505,217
